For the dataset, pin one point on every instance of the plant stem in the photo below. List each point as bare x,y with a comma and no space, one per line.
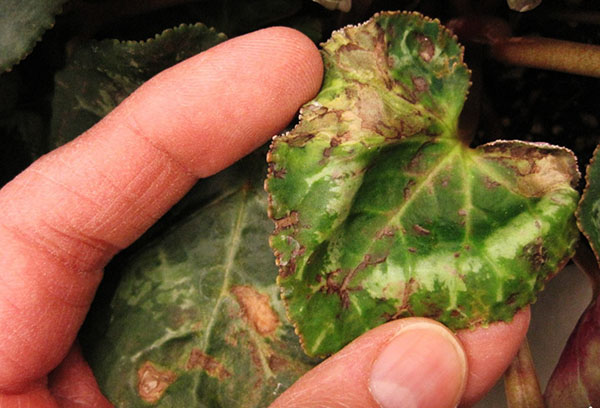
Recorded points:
521,384
533,52
549,53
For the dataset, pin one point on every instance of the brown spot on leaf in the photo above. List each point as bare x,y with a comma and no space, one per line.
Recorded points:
368,260
420,84
489,183
331,284
426,48
300,140
536,254
407,192
275,172
548,173
257,309
385,232
277,363
200,360
420,230
152,382
288,221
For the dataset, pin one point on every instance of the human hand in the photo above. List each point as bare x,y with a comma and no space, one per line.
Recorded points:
67,215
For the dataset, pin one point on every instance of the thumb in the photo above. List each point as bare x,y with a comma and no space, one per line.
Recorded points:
407,363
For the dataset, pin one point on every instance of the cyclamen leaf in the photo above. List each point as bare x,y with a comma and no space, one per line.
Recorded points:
197,319
575,381
381,211
101,74
22,23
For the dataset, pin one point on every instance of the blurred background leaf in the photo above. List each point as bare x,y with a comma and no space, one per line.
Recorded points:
22,23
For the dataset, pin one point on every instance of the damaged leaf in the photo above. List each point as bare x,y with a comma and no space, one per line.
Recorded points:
197,319
382,211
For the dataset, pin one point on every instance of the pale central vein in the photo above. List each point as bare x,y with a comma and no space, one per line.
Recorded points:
232,248
435,170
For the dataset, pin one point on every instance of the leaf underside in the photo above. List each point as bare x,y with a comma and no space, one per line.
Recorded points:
197,319
100,75
381,211
22,23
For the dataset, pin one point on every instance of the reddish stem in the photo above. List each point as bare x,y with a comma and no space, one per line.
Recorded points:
533,52
521,384
549,53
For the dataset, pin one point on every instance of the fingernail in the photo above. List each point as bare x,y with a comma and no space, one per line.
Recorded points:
422,366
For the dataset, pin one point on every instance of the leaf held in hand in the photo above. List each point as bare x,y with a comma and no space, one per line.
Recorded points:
197,319
382,211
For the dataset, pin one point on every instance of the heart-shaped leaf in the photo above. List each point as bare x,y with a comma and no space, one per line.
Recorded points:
197,320
382,211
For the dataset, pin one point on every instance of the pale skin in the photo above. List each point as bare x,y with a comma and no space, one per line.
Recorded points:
70,212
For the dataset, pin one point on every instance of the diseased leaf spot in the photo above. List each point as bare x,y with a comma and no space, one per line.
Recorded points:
536,254
420,84
421,230
152,382
426,47
257,309
277,363
287,221
200,360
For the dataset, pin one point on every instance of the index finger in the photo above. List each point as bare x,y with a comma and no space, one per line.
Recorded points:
72,210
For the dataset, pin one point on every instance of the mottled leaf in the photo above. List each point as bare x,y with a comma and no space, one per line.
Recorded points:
101,74
575,381
381,211
22,23
197,320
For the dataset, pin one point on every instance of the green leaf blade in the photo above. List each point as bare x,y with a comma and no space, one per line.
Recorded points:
197,319
380,209
22,23
100,75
